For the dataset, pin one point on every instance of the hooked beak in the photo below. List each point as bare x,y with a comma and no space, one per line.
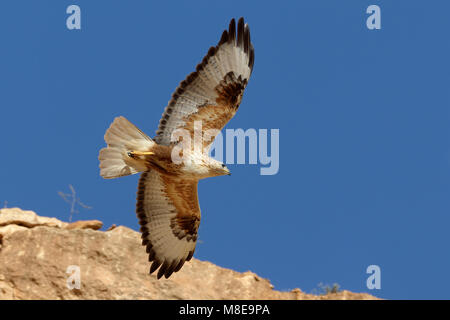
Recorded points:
227,171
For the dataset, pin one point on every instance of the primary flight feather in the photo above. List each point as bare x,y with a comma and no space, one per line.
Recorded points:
167,203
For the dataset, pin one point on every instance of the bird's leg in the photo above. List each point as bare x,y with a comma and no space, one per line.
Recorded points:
135,154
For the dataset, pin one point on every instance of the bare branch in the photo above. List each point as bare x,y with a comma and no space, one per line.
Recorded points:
73,200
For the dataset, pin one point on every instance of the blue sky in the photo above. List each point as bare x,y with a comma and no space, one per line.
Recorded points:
363,118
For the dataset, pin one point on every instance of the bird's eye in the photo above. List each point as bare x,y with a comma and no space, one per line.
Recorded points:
223,165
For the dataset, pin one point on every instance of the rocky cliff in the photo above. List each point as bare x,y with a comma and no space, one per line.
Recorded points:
36,254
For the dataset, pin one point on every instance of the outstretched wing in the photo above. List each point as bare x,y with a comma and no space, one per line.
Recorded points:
213,92
169,216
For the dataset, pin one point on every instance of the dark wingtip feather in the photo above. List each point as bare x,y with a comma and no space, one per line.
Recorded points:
190,255
240,33
151,255
224,37
154,266
246,38
232,31
171,269
178,267
162,270
251,59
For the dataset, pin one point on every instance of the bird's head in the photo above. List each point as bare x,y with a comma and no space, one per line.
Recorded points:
218,168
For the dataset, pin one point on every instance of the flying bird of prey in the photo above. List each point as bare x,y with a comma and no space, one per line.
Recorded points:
167,204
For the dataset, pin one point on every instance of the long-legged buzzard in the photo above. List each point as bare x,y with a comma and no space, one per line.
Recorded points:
167,203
